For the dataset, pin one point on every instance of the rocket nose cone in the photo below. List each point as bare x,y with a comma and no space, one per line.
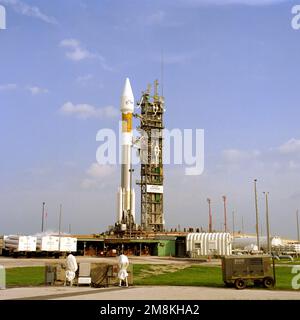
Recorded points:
127,91
127,98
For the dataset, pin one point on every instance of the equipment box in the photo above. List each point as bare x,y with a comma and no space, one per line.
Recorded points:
240,270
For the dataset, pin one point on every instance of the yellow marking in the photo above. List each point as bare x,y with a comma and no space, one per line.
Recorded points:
126,122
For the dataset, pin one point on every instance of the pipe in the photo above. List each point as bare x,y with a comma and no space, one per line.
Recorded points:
286,256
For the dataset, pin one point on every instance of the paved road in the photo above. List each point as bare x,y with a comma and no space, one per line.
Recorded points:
145,293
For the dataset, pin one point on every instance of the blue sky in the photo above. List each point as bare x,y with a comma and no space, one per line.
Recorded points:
230,68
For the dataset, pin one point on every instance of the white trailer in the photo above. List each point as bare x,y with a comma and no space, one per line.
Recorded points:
16,243
40,244
48,243
68,244
205,244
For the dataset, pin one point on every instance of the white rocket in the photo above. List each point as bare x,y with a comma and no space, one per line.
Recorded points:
126,195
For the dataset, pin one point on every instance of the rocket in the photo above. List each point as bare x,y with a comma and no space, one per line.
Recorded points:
126,194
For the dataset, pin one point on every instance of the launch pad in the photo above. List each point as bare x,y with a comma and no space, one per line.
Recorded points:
150,148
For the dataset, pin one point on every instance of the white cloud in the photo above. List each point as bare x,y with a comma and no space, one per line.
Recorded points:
76,52
286,157
8,86
98,171
33,89
37,90
236,156
291,146
27,10
85,111
110,112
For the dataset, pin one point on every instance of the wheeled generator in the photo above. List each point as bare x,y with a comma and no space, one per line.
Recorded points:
244,269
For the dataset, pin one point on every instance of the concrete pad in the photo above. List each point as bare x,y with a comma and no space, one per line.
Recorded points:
188,293
29,292
145,293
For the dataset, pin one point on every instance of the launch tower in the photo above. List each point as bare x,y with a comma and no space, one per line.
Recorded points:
151,146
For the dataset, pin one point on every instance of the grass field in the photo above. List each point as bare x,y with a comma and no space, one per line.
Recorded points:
198,276
27,276
145,274
296,261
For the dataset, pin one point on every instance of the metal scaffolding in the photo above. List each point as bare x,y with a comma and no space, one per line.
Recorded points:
150,149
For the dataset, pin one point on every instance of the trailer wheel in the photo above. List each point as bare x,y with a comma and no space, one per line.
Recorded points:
240,284
268,282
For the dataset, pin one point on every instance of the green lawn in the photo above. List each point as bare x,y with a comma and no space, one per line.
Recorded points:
296,261
190,276
146,274
25,276
284,278
198,275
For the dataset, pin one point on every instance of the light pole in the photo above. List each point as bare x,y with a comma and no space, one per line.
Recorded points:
233,223
242,224
256,210
43,215
59,224
297,217
209,215
267,221
225,214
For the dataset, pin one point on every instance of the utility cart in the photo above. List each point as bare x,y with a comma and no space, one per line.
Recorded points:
239,270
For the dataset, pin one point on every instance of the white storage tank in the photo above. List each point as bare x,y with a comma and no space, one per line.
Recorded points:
276,242
204,244
243,242
247,241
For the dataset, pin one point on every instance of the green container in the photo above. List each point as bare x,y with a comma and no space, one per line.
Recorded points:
166,248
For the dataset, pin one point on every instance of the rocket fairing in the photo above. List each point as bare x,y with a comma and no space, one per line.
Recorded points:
126,195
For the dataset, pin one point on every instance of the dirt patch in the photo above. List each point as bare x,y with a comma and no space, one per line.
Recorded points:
161,269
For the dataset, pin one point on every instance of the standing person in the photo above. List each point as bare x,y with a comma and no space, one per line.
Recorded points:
123,265
71,268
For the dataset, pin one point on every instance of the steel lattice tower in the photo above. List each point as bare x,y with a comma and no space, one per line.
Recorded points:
151,147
